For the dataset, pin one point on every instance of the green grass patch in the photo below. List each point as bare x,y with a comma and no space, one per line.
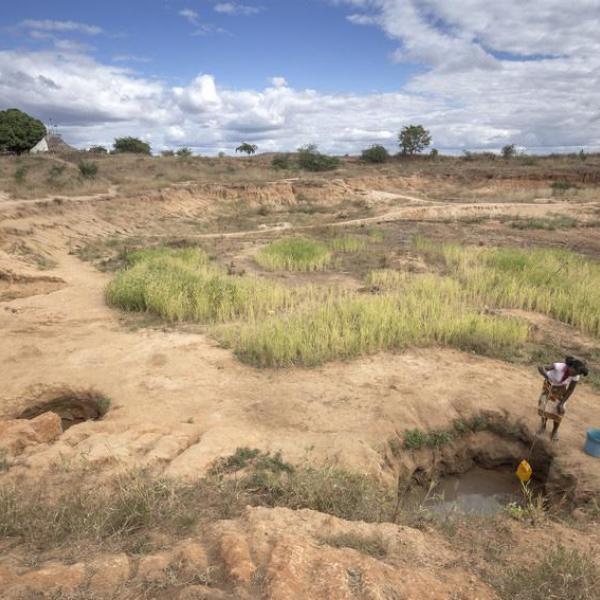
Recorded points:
558,283
181,285
347,243
428,310
294,254
549,223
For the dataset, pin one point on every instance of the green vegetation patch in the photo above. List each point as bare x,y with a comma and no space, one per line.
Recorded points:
558,283
181,285
294,254
427,310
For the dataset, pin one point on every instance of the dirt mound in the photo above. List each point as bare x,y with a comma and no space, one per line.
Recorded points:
275,554
14,285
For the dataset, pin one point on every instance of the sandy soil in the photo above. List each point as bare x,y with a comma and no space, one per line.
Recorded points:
181,382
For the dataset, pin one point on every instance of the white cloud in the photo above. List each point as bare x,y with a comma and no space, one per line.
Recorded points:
489,75
190,15
60,26
233,8
278,82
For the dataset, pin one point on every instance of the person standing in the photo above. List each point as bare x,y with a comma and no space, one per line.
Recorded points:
560,381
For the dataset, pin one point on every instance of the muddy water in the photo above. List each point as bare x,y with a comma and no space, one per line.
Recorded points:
480,491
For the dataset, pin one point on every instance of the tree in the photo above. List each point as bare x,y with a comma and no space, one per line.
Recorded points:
508,151
310,159
131,144
375,154
247,148
414,139
19,132
183,152
98,150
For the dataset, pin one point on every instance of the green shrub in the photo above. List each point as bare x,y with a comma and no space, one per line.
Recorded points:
294,254
87,169
167,153
131,144
98,150
21,173
559,187
281,161
375,154
310,159
19,132
184,152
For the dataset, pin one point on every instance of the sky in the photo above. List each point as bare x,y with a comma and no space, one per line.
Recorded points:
343,74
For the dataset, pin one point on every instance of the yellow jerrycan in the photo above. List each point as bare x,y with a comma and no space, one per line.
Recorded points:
524,471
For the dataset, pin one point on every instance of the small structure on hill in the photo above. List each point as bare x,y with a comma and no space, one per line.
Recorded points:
52,142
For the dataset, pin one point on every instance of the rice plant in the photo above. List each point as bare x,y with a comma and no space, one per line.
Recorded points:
428,310
180,285
558,283
347,243
294,254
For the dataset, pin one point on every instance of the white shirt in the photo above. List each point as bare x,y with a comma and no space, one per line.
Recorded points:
557,375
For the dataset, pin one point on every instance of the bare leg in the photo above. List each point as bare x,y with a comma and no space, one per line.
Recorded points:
543,425
555,427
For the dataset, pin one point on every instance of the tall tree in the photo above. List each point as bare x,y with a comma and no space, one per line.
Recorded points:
414,139
19,132
247,148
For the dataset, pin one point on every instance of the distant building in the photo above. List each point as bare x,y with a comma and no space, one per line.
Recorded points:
52,142
41,146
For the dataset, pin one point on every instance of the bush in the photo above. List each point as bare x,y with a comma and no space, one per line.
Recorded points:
414,139
21,173
375,154
184,152
434,153
98,150
281,161
87,169
310,159
19,132
131,144
167,153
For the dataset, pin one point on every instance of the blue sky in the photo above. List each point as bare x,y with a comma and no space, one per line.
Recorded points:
341,73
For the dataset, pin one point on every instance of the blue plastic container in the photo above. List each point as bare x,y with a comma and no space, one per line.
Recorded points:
592,444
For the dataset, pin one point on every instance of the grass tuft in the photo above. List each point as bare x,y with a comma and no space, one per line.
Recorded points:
294,254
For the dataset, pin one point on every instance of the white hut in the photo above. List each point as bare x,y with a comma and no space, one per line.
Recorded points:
41,146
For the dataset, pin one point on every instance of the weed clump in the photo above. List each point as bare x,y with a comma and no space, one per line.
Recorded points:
294,254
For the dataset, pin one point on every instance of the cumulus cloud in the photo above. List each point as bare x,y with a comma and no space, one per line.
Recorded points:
524,73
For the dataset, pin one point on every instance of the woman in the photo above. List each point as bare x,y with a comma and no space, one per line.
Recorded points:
560,382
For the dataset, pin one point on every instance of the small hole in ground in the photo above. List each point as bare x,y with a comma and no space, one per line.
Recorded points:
72,406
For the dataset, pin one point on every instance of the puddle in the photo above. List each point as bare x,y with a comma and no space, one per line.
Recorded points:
478,491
